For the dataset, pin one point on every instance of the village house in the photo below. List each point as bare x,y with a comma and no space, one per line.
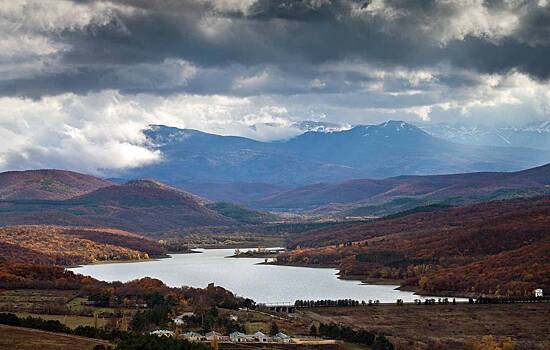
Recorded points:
178,321
238,337
281,338
162,333
260,337
193,336
215,335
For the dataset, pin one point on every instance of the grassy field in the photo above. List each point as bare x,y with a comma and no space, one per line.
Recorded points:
31,339
34,299
64,306
445,326
70,321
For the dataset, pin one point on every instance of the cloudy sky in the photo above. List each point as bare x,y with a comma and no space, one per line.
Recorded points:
80,79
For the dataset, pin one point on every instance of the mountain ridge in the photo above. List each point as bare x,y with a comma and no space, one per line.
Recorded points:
375,151
498,247
437,187
50,184
143,206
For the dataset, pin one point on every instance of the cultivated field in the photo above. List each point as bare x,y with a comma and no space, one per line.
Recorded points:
446,326
31,339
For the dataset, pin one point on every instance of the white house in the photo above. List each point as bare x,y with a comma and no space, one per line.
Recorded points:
281,338
178,321
238,337
162,333
213,335
262,338
192,336
538,293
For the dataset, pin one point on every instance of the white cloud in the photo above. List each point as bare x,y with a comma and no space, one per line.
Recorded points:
103,131
446,20
252,82
317,84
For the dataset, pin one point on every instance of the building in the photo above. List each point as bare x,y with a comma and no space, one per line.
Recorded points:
214,335
281,338
178,321
538,293
192,336
238,337
260,337
162,333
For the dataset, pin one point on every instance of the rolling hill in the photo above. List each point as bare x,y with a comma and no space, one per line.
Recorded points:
241,214
234,192
375,151
142,206
47,184
499,247
43,244
371,196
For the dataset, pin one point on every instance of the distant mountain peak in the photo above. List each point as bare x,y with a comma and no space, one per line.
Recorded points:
388,128
533,135
397,124
319,126
160,135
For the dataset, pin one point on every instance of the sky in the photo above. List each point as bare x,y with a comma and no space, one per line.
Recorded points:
81,79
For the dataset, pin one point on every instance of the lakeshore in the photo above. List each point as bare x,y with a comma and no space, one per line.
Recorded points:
264,283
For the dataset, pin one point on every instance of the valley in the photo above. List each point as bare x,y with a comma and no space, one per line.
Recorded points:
274,175
465,235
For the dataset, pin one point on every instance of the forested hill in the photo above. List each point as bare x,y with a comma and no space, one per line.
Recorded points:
47,184
143,206
42,244
495,247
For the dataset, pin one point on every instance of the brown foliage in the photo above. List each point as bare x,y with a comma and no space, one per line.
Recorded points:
500,247
139,206
72,245
47,184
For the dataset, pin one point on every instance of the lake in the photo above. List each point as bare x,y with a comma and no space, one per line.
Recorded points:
245,277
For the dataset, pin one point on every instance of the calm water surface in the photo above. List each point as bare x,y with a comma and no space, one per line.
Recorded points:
243,276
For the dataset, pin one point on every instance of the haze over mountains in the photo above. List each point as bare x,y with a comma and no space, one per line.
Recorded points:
409,191
533,135
373,151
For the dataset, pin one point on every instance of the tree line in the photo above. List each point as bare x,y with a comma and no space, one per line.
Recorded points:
334,303
124,340
346,333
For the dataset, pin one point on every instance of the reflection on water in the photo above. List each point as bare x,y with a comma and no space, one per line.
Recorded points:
243,276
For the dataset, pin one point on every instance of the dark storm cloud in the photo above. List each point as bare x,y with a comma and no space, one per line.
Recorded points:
291,38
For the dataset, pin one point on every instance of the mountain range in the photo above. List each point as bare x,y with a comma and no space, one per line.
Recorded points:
534,135
370,151
373,196
151,207
141,206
